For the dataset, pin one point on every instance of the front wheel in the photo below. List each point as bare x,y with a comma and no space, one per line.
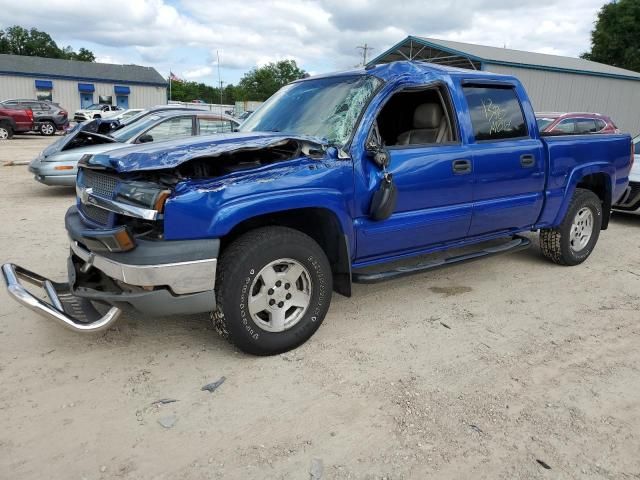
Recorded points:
574,239
273,290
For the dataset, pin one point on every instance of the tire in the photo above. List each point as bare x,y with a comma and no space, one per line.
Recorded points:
6,132
246,281
568,244
97,116
47,129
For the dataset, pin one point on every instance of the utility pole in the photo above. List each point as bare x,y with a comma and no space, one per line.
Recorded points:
219,81
365,49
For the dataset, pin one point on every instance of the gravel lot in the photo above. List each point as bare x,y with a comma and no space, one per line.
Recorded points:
495,369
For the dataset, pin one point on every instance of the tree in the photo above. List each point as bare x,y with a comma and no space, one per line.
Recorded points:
17,40
260,83
615,40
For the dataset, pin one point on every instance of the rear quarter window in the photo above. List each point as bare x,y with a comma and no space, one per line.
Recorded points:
495,113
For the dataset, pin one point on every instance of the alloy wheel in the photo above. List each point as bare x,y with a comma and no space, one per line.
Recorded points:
280,295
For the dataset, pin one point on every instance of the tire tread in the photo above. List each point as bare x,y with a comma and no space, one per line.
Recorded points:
551,238
241,247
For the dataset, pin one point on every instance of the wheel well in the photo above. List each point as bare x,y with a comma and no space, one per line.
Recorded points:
599,184
320,224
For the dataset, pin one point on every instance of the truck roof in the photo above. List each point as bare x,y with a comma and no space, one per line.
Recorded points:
417,69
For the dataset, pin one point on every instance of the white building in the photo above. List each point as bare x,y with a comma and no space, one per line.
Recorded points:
75,84
554,83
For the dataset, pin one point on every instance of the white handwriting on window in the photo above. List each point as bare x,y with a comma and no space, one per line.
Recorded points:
496,116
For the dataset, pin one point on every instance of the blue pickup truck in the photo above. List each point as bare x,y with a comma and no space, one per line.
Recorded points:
336,179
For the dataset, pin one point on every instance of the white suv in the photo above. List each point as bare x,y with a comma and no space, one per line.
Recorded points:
97,110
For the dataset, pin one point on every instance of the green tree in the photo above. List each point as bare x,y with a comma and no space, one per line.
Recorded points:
615,40
260,83
17,40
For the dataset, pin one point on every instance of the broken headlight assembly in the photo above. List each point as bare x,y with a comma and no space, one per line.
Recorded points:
143,194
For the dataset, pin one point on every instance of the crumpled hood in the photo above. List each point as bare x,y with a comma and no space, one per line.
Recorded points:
165,155
80,129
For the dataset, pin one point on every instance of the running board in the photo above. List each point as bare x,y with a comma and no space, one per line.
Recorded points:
513,245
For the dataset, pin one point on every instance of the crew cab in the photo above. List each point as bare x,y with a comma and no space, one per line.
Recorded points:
14,120
334,180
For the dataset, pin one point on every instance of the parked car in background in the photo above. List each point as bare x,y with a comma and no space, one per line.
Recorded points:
630,201
244,115
57,164
97,110
106,125
125,114
576,123
48,117
14,119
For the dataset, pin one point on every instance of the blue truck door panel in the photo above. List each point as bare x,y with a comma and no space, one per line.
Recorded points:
509,162
509,185
434,203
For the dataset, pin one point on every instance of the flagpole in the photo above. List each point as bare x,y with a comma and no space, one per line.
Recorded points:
170,75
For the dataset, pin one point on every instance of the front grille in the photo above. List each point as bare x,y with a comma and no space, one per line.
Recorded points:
95,214
103,185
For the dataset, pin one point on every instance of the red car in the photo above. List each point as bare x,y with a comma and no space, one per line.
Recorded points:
577,123
14,120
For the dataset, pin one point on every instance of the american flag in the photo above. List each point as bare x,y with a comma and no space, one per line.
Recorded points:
173,77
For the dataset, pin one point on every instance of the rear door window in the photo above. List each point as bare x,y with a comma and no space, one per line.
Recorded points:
495,112
172,129
586,125
209,126
566,126
600,125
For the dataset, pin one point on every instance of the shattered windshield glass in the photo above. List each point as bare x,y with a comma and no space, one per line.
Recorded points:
327,107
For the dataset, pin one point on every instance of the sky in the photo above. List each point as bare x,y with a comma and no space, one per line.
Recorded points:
186,36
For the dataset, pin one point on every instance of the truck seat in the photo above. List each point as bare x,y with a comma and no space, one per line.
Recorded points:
429,126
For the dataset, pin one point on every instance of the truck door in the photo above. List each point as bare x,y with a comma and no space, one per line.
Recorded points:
509,162
432,171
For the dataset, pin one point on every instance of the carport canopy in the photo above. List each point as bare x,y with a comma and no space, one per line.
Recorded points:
418,49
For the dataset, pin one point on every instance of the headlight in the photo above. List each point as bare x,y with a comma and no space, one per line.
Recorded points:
142,194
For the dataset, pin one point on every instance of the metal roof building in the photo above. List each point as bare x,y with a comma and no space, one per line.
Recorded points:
554,83
75,84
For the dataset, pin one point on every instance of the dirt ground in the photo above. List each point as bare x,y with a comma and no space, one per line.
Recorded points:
506,368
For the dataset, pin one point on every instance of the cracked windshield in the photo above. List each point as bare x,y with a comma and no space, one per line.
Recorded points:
328,108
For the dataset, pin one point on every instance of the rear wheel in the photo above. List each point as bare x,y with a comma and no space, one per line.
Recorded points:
273,290
6,132
573,240
47,128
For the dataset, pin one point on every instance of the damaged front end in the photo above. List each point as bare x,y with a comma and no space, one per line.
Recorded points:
120,256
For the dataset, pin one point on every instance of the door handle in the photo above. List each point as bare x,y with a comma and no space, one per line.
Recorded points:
461,167
527,161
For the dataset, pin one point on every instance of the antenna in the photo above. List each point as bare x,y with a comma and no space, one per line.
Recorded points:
365,48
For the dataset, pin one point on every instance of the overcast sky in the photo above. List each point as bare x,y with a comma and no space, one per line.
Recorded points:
321,35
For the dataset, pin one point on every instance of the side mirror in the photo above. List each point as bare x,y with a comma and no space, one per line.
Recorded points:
374,147
379,154
146,138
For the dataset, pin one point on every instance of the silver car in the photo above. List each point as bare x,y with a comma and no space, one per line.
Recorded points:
58,163
630,201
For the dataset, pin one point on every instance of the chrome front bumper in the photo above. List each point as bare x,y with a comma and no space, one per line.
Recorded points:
73,312
181,278
172,288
